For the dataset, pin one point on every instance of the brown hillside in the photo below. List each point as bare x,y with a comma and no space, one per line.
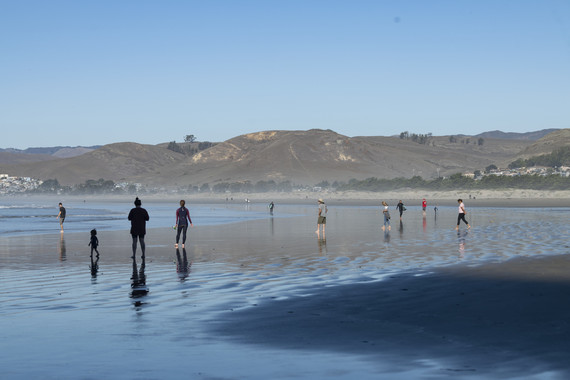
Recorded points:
9,158
302,157
547,144
308,157
117,162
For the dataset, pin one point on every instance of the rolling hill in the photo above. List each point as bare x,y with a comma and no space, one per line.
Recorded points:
547,144
117,162
516,136
302,157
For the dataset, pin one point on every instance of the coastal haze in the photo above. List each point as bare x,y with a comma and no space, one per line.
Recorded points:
302,157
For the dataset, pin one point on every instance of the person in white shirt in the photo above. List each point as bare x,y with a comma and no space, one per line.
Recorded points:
386,217
461,214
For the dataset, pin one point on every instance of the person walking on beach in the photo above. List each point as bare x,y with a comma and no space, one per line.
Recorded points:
138,217
61,215
461,214
271,207
182,221
94,242
401,208
424,206
386,214
322,217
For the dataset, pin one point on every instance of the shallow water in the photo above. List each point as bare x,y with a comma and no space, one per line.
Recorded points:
65,317
19,217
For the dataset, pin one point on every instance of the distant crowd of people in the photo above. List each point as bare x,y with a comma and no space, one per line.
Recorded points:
138,216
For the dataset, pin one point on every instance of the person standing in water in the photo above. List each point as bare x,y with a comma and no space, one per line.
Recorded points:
182,221
61,215
138,217
386,214
322,217
461,214
400,207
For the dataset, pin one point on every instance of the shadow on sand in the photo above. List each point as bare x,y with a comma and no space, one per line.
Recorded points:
501,321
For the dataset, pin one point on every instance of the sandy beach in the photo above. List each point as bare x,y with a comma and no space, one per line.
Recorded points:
475,198
269,299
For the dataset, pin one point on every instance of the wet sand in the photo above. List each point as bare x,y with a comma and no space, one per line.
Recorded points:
269,299
508,320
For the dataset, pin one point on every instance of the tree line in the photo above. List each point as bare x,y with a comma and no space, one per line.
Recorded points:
459,181
558,157
189,149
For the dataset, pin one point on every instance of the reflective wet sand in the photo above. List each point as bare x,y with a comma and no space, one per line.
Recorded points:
269,299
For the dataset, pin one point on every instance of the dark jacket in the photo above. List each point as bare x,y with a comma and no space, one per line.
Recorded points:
138,217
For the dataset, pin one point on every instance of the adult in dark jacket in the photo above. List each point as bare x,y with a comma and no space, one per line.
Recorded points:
400,206
138,217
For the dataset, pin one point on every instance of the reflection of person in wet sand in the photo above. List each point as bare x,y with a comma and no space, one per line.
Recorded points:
138,281
62,250
138,217
61,215
94,242
94,267
461,237
461,214
182,265
386,214
322,244
182,221
322,217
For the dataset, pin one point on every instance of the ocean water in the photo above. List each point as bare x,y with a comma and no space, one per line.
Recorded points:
65,316
32,217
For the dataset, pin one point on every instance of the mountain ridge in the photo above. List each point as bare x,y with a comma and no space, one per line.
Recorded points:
302,157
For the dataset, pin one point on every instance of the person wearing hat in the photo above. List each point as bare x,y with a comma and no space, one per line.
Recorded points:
322,218
138,217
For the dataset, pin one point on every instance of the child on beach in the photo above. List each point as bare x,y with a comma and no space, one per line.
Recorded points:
386,216
94,242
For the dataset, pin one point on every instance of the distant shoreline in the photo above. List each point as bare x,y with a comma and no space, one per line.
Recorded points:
411,197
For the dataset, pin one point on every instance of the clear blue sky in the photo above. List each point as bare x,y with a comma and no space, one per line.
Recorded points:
98,72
